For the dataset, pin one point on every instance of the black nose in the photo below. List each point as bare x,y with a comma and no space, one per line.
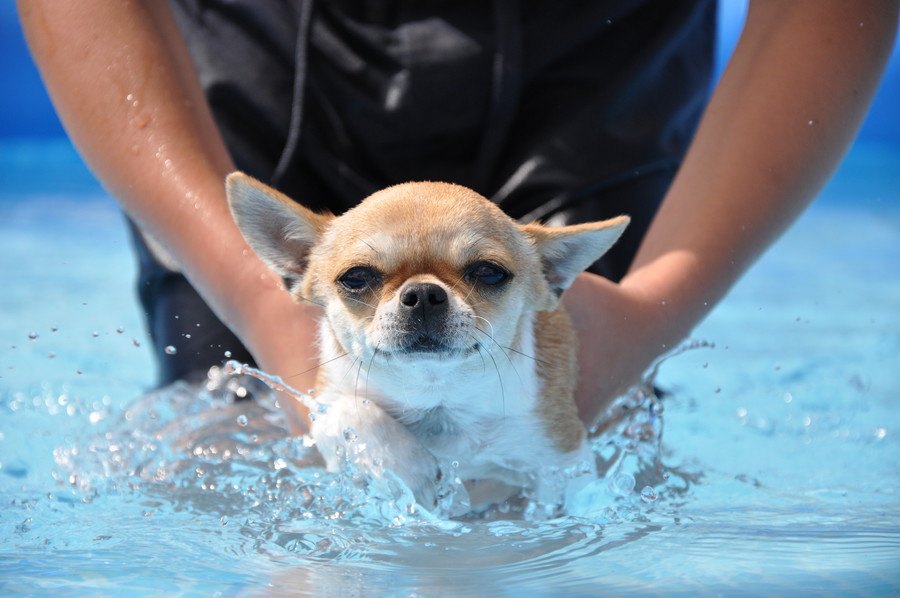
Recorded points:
427,296
424,308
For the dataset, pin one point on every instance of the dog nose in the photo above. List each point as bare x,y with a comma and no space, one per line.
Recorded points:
424,308
429,296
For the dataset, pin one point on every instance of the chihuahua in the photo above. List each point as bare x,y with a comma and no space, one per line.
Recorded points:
445,350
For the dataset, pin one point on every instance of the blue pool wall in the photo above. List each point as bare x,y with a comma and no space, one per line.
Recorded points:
26,111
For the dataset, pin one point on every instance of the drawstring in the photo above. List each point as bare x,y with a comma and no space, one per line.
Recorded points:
505,89
300,67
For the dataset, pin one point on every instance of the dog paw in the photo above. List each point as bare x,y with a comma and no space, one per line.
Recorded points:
415,466
367,437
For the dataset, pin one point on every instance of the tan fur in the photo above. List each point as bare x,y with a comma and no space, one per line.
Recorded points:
427,374
557,367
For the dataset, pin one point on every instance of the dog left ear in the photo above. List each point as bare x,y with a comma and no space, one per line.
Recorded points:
278,229
566,251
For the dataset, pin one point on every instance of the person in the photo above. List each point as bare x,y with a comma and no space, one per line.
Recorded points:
562,111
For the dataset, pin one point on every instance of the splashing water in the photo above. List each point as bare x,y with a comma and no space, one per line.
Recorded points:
224,476
632,425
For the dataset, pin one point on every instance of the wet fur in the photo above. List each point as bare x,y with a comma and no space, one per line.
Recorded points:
500,400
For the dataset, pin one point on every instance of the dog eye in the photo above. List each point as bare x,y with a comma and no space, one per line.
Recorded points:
359,278
487,274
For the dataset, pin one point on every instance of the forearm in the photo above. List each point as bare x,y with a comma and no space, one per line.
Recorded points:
122,82
783,115
778,123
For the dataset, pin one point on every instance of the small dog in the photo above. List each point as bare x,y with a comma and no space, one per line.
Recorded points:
463,360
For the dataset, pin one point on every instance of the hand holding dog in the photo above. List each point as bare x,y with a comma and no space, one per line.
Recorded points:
754,164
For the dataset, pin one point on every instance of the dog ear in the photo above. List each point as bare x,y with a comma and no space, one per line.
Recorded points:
279,230
566,251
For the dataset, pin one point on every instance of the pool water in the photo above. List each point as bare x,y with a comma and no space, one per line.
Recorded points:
777,470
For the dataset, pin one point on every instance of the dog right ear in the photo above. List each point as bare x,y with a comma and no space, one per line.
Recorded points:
278,229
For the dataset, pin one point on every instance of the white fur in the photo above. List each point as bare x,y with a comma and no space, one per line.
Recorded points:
414,415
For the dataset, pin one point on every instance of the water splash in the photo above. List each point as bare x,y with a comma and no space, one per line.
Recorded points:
276,383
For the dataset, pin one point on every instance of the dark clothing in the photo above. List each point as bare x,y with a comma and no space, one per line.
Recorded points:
564,110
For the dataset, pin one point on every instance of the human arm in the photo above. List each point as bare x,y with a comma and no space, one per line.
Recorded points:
122,82
784,113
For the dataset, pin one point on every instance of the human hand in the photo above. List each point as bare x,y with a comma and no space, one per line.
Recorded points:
621,331
279,330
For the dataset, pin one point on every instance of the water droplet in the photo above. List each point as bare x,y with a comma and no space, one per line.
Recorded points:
170,350
227,353
51,355
279,463
54,328
242,420
880,433
120,330
78,372
187,336
95,334
623,483
788,397
33,336
350,435
135,342
648,494
812,122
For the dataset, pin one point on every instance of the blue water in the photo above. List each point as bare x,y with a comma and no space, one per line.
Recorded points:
777,470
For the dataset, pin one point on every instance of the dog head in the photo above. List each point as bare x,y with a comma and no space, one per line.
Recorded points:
419,270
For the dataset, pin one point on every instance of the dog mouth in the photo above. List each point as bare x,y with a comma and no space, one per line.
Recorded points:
429,346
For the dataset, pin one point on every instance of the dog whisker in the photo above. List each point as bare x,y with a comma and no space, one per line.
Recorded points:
363,302
356,384
369,245
471,288
480,354
531,357
350,369
316,366
500,380
491,335
502,350
369,369
300,297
